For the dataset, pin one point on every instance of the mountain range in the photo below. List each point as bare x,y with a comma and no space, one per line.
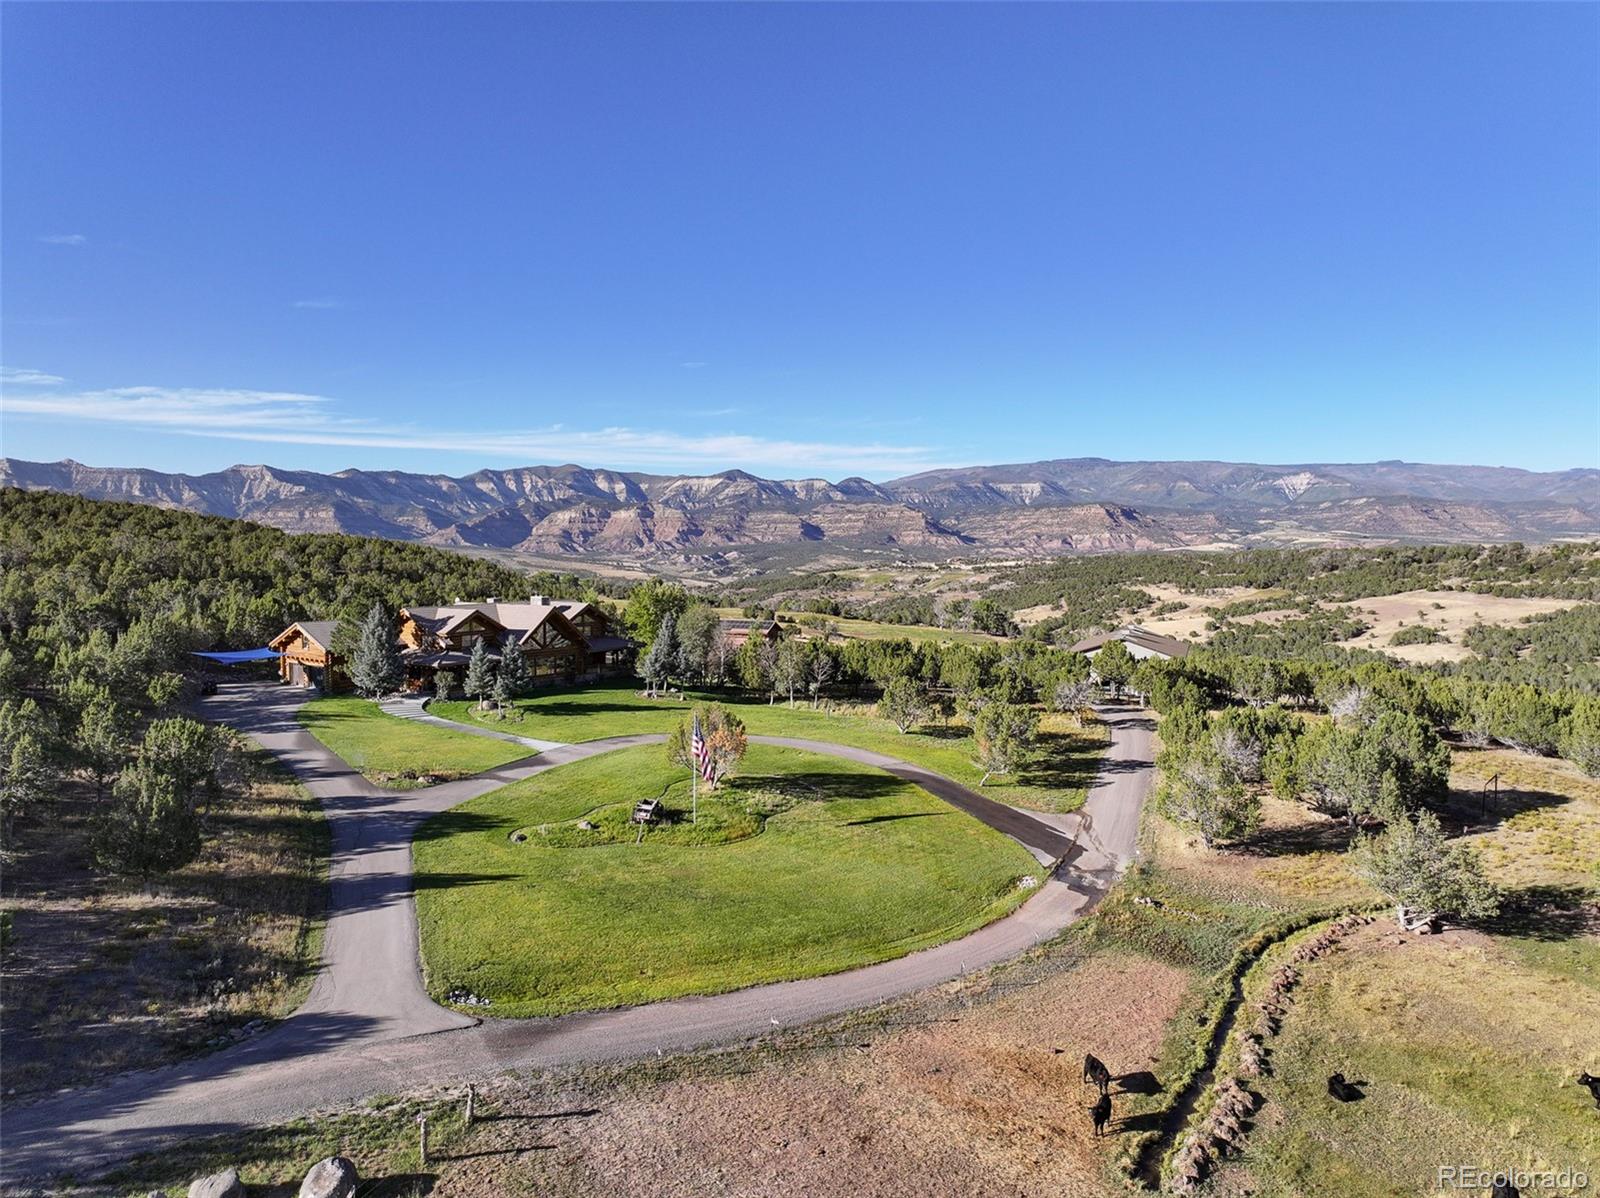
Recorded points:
1061,506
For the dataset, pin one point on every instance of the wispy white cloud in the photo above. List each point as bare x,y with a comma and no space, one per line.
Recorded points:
691,365
321,304
64,239
291,418
10,376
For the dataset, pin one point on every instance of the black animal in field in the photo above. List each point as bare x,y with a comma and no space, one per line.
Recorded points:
1095,1072
1343,1090
1504,1189
1593,1083
1101,1112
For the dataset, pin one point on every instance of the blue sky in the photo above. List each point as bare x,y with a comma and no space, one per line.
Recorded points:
796,239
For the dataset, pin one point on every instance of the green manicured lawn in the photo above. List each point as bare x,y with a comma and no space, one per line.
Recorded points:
395,752
803,865
1056,781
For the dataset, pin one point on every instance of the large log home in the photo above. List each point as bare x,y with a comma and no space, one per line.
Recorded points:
562,639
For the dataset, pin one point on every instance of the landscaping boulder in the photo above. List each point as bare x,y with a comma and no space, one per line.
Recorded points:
219,1185
333,1178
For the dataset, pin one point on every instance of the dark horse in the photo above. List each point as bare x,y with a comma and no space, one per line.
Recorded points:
1094,1071
1101,1113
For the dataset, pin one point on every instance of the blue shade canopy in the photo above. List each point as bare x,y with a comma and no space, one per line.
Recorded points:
234,657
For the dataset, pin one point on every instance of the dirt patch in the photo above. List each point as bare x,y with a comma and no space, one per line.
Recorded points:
1199,609
1296,855
102,974
1449,613
979,1103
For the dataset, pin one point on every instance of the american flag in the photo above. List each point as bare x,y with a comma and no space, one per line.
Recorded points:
700,751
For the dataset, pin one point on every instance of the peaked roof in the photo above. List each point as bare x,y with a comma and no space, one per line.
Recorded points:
449,618
320,632
518,619
1134,634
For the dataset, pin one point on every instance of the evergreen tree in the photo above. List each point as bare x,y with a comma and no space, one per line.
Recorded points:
153,824
104,733
1425,876
961,672
1004,734
25,775
663,658
375,666
184,750
1113,665
445,681
515,678
479,683
152,827
1381,769
166,689
1201,791
1580,736
904,704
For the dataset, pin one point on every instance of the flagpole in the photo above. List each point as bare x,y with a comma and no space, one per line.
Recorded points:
697,750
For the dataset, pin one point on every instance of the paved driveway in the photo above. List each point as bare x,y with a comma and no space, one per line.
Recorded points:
368,1026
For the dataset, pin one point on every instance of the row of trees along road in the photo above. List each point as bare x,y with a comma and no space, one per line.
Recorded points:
997,689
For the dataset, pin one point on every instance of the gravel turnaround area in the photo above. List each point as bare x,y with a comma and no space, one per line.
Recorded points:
369,1026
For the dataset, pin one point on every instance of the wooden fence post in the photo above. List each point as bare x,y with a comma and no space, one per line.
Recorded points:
422,1138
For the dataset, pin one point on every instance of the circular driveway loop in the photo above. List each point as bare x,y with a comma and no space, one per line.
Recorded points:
368,1026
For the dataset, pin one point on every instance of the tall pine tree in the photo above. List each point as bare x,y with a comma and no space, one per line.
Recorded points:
479,684
375,666
662,661
515,677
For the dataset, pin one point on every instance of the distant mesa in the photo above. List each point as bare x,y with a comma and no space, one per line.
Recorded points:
1070,505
